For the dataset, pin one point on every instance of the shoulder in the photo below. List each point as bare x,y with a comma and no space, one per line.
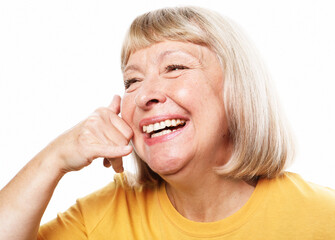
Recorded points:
300,207
294,185
121,195
124,183
301,203
118,202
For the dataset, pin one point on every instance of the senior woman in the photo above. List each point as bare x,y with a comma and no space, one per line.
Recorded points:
210,143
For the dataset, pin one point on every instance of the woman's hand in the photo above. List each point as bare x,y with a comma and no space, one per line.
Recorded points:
102,134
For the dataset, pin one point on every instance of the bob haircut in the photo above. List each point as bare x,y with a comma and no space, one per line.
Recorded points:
262,142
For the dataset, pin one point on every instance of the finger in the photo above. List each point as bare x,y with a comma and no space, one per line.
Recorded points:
107,163
122,127
117,164
109,134
115,104
110,151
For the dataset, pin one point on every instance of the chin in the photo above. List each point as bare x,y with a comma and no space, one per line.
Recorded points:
166,166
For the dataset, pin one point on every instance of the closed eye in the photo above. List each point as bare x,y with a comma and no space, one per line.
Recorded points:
129,82
175,67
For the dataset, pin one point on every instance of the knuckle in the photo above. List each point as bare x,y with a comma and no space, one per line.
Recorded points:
84,135
91,119
102,111
123,142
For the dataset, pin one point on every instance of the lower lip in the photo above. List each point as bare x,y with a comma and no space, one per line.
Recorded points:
151,141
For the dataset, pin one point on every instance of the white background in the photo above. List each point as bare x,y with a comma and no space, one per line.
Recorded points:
59,61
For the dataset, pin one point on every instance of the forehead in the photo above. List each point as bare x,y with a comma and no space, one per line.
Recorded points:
157,52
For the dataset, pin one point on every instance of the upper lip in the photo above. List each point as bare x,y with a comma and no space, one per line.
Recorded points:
160,118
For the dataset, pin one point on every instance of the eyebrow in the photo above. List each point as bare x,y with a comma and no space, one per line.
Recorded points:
161,56
132,67
170,52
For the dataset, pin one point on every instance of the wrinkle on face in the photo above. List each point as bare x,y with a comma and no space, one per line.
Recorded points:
195,93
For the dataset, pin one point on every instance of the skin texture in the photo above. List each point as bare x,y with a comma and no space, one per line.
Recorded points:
192,90
194,93
24,199
169,79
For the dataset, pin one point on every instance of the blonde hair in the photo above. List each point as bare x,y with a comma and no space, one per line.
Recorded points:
262,142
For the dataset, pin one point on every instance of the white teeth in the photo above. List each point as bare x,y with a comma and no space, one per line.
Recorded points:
156,126
150,128
161,125
161,133
168,123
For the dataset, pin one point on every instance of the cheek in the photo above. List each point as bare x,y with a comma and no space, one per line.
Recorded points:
188,91
194,94
202,97
182,93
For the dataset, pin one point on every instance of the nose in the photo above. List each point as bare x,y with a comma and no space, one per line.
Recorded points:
149,96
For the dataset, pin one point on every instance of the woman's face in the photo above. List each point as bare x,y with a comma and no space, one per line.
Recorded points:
174,104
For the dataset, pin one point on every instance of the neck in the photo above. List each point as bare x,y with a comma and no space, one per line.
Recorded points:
209,198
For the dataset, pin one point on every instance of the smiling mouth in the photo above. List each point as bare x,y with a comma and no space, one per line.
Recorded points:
163,127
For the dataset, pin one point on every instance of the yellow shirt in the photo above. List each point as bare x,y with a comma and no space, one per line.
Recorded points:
283,208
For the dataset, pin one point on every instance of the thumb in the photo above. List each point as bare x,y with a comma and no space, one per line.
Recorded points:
116,163
115,104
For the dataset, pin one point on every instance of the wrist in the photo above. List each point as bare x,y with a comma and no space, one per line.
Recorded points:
50,162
